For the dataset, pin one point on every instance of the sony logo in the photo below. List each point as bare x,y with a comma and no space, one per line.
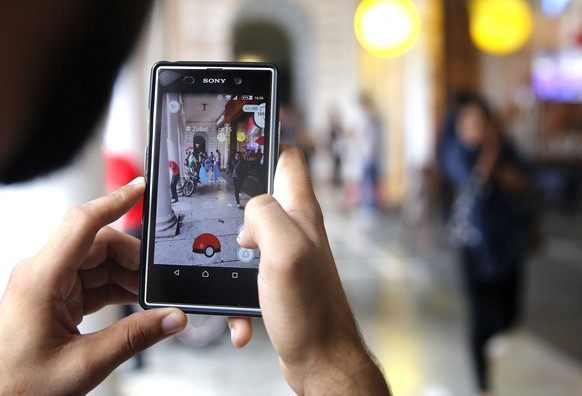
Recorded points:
213,80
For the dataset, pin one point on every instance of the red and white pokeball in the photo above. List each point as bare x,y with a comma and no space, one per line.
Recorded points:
207,248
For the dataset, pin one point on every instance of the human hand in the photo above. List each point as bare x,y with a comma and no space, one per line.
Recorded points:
490,150
512,179
304,307
83,267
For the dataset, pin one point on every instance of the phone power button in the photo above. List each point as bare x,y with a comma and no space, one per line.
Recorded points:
145,163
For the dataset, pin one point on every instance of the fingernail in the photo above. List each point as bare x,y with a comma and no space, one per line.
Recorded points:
172,323
137,180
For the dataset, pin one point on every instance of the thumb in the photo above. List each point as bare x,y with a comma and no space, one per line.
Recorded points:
131,335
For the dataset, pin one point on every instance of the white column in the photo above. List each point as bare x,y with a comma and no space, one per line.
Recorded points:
166,220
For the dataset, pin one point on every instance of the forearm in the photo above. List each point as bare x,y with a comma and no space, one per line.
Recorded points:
485,166
487,161
350,374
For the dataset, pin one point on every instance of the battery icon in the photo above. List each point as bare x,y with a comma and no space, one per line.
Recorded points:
246,97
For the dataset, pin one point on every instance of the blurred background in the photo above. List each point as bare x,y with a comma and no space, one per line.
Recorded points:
366,88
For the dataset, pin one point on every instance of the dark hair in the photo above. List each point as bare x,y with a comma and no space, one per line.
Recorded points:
461,100
465,98
82,71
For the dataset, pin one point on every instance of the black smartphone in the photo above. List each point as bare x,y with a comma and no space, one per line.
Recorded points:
213,145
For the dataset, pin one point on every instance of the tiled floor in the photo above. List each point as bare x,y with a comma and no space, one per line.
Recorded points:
410,311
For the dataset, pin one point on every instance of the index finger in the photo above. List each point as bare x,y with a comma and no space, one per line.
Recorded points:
68,246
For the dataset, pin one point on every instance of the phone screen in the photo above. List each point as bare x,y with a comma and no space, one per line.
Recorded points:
212,148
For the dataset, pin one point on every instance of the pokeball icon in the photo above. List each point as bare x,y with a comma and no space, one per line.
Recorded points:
206,244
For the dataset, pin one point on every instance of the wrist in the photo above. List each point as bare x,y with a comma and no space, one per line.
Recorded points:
349,370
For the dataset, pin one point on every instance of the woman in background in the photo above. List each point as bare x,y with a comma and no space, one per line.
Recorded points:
491,221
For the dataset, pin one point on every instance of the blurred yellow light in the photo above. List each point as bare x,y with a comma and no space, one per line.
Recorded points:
387,28
500,26
249,57
241,136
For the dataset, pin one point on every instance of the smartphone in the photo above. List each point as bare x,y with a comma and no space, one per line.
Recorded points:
213,145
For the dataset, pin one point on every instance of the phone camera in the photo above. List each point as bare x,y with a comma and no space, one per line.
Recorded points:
188,80
238,80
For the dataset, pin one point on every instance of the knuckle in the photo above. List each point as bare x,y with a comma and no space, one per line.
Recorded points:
262,200
106,236
20,274
20,268
102,237
106,232
258,203
137,338
118,195
79,216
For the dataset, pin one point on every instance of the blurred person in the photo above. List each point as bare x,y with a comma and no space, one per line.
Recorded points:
216,167
211,165
86,265
175,179
294,132
307,145
238,169
365,156
261,169
290,124
203,171
192,166
418,230
491,221
207,162
335,133
370,133
260,157
218,158
190,158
